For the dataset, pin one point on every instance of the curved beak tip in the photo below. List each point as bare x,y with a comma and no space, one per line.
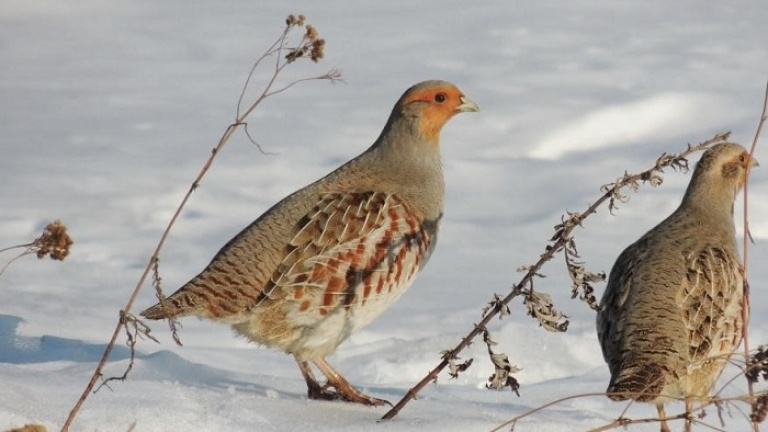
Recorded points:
467,106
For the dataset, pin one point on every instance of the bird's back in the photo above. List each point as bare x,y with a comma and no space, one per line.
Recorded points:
236,278
672,301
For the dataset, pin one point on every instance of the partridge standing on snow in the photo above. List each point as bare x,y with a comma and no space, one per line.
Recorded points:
330,258
671,314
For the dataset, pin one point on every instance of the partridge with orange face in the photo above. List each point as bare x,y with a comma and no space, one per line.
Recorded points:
671,314
331,257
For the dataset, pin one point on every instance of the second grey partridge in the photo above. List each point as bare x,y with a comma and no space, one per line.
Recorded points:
333,256
671,314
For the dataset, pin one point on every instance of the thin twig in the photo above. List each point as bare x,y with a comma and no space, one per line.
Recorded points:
239,121
747,237
563,230
12,260
623,421
16,247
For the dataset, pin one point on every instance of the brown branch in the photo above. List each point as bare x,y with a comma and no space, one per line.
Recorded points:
152,263
611,193
747,236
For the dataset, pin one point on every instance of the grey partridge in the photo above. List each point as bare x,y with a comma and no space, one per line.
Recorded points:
671,314
333,256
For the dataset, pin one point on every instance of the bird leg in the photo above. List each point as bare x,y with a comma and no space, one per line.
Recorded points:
688,414
314,389
663,417
343,389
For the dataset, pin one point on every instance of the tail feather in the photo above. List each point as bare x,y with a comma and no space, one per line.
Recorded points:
179,304
641,382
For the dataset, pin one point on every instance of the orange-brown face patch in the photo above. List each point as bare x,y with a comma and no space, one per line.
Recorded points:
435,113
735,167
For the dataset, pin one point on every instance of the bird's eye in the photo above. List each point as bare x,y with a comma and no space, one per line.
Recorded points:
440,97
742,158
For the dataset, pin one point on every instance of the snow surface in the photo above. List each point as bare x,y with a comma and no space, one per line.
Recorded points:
109,108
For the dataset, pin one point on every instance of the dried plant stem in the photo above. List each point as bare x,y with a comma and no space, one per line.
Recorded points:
17,247
561,239
747,237
121,322
276,48
12,260
618,423
623,421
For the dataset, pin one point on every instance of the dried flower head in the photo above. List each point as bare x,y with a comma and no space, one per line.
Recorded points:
311,34
760,409
317,50
757,365
292,20
54,242
311,45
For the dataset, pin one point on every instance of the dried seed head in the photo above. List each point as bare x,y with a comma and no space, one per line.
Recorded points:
54,242
317,50
311,34
312,46
293,20
760,409
757,365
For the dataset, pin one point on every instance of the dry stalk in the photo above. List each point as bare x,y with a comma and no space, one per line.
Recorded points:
747,236
542,310
134,329
696,416
310,47
53,242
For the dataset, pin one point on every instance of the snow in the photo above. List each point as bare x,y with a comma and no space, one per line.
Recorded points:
109,108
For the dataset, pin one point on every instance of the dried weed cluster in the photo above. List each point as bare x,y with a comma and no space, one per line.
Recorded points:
53,242
311,45
757,368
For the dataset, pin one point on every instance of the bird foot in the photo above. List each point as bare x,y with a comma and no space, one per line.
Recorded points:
342,393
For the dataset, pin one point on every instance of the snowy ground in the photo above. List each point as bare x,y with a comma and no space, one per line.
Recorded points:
109,108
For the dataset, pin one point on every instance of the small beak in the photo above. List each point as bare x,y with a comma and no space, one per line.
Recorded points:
467,106
753,163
